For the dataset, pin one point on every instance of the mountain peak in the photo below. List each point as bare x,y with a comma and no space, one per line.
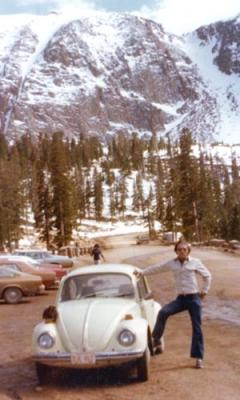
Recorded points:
108,73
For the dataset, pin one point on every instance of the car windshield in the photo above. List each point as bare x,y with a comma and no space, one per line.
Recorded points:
33,254
26,259
97,285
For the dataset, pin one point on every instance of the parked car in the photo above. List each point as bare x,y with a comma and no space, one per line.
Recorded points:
48,277
57,268
46,256
142,239
104,315
14,285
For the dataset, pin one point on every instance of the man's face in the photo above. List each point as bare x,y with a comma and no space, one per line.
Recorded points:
182,252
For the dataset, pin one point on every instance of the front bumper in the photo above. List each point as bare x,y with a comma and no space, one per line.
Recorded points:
102,359
41,289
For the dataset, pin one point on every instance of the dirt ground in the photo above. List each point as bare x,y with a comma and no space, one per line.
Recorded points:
172,374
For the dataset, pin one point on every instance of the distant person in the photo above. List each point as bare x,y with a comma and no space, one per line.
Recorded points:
189,297
97,254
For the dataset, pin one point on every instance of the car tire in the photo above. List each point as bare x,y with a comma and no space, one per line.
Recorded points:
44,373
143,365
12,295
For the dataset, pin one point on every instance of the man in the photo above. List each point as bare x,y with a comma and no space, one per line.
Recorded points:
189,298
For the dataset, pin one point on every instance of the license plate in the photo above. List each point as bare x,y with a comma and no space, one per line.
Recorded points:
83,358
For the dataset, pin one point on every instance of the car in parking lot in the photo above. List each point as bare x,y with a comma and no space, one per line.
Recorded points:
14,285
104,315
48,277
142,239
45,256
57,268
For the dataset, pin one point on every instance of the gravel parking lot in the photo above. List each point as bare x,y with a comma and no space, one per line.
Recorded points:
172,373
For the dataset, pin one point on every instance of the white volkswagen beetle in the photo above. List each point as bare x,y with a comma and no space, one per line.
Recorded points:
104,315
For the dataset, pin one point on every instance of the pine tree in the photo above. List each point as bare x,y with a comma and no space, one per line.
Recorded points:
63,204
138,195
43,210
136,152
159,192
3,147
80,193
98,195
206,204
11,200
122,189
187,186
230,221
150,213
136,199
88,197
172,215
112,203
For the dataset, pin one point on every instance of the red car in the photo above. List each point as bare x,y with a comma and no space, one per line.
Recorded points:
48,276
57,268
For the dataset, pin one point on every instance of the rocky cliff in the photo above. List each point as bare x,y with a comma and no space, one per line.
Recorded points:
111,73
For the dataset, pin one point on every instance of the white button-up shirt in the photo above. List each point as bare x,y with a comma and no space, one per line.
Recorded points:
185,274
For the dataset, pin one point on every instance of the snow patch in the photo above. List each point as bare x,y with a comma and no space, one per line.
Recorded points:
225,88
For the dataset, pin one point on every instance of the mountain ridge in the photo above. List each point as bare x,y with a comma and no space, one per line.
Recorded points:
105,74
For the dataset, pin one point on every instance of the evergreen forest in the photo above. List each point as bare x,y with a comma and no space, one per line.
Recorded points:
61,182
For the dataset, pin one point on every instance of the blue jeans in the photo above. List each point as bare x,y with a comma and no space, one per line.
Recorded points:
192,303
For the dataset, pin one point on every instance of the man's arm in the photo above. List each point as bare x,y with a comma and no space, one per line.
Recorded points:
207,278
153,269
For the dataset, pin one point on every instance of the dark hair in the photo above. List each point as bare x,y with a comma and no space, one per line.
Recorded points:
182,242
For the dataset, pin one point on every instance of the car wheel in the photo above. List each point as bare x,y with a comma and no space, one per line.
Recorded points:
44,373
12,295
143,366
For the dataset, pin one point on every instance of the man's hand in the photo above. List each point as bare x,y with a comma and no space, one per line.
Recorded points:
137,273
202,295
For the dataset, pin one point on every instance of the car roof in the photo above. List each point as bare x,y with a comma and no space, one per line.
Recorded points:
30,251
19,258
104,268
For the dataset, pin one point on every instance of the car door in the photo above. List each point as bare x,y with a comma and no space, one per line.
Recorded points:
147,303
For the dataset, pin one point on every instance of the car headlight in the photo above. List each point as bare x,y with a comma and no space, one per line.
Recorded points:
126,337
46,341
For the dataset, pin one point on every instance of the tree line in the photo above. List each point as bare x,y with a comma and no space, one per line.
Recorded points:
58,182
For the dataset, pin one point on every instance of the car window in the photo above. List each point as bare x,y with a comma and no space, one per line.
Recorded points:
35,255
11,266
6,273
97,285
29,253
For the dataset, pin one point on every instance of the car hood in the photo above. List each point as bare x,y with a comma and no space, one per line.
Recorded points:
89,324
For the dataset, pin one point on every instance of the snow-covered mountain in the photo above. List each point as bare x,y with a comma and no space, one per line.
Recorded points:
112,73
215,49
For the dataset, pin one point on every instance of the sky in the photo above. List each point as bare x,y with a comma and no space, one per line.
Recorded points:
176,16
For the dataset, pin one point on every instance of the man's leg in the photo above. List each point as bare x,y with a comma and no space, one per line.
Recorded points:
169,309
195,311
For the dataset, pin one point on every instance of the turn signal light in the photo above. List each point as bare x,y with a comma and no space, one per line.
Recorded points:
50,314
128,316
